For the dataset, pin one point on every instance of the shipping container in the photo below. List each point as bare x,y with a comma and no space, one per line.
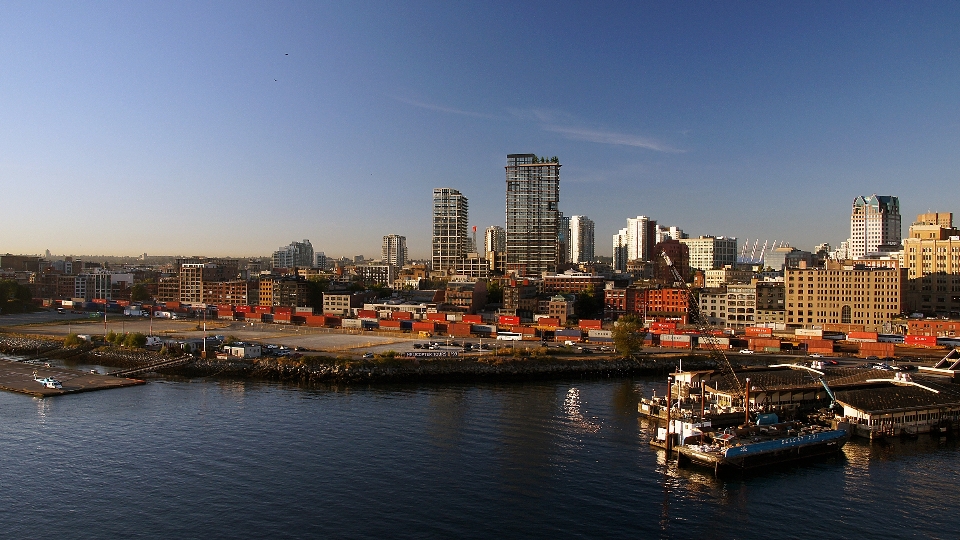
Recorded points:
458,329
805,332
439,317
389,323
425,326
590,324
525,330
454,317
369,324
244,309
663,326
401,316
301,310
406,325
509,320
881,350
758,331
472,319
593,334
486,329
713,342
763,344
568,332
351,323
920,341
675,338
262,309
548,321
367,314
863,337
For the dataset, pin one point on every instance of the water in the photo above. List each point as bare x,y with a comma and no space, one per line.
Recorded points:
548,459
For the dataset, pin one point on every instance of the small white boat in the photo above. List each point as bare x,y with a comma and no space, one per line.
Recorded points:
50,382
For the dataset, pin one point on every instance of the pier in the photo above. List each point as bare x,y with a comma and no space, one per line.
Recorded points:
20,377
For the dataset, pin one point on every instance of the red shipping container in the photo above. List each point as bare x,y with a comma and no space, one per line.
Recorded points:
758,331
591,324
366,314
473,319
262,309
425,326
663,326
458,329
224,314
224,307
244,309
388,323
881,350
441,328
439,317
401,316
168,305
525,330
920,341
549,321
819,343
282,310
509,320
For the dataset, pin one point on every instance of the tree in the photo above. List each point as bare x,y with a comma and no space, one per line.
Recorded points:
494,292
135,340
139,293
627,336
315,289
588,306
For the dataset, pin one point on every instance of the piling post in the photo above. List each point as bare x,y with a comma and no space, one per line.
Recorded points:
668,440
746,403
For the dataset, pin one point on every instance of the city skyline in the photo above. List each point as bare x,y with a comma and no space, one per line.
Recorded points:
149,128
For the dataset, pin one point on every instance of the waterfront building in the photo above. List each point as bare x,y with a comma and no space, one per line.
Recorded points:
450,242
394,249
297,254
581,239
874,221
931,257
533,214
843,296
711,252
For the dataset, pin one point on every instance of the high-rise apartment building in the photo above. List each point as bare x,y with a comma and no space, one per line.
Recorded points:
297,254
581,239
641,236
874,221
495,239
394,249
711,252
450,242
669,233
533,214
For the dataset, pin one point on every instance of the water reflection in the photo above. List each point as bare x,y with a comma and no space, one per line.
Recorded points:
571,408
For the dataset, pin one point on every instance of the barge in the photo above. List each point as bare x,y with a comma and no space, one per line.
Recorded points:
755,447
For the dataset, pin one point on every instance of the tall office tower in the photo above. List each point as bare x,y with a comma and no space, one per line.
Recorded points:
297,254
641,237
581,239
874,221
711,252
495,239
395,249
450,242
620,251
533,216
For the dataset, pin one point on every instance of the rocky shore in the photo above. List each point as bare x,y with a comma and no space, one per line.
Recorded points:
320,369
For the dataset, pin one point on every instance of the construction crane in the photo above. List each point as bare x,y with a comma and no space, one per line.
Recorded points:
697,318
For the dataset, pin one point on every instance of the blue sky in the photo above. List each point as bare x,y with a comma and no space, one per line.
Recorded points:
231,128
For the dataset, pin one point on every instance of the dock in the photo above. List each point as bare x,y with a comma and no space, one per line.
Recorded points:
19,377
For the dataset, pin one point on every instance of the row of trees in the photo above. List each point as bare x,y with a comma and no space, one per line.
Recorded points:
14,297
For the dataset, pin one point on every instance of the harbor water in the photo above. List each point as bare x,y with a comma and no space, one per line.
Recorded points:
558,459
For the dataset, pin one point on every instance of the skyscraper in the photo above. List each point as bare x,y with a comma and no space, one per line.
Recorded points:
620,250
874,221
581,239
641,237
450,242
495,239
394,249
533,216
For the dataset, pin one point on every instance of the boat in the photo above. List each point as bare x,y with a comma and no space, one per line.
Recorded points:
764,445
50,382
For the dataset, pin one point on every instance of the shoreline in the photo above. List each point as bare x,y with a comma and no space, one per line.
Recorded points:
323,369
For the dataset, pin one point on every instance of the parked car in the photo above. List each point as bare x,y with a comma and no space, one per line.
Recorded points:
746,351
815,355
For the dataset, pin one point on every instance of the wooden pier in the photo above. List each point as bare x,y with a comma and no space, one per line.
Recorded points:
19,377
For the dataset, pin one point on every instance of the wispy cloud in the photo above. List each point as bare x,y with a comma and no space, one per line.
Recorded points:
440,108
611,137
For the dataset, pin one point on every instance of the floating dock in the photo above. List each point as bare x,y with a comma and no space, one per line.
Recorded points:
20,377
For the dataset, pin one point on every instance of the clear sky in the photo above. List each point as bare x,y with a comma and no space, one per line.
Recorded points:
232,128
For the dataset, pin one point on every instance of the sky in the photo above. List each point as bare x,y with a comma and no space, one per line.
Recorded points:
233,128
